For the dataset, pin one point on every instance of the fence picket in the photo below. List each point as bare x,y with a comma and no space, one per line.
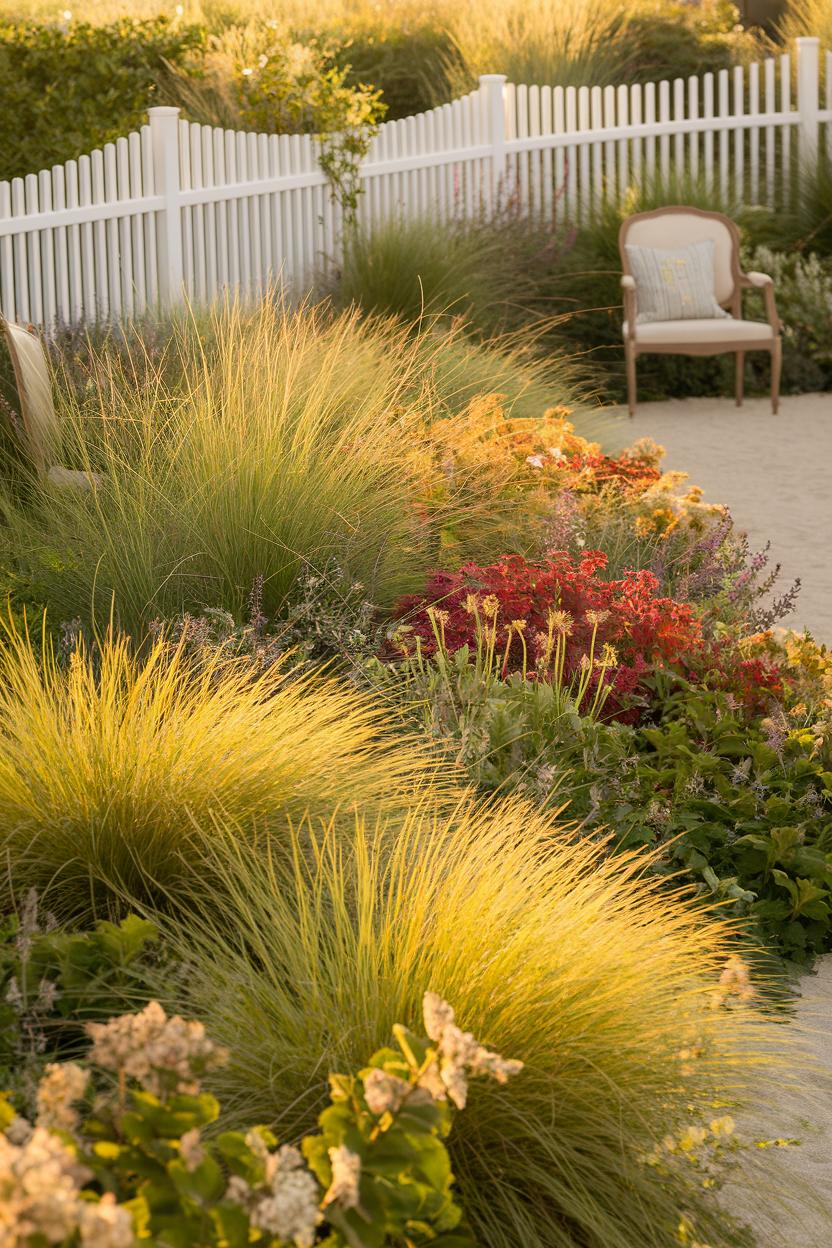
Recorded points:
75,310
739,134
148,179
610,183
693,113
7,272
125,243
572,151
91,308
637,119
558,127
708,139
535,155
21,257
62,305
664,140
785,133
679,135
724,136
754,133
623,119
111,231
46,253
650,140
30,183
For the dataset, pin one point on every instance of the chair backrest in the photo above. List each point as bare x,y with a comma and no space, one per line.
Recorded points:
678,226
34,387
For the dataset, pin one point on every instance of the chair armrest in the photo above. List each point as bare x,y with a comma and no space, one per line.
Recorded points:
628,290
762,281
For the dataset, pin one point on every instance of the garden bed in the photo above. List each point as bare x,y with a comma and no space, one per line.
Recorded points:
362,676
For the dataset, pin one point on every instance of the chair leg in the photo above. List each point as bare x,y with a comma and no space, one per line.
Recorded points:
630,357
739,377
776,366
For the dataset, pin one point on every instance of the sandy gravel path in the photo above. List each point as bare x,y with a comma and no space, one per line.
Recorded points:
775,473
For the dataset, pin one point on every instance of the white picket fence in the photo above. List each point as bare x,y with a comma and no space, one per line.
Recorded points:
182,210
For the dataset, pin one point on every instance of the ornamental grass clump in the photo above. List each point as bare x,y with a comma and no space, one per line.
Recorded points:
114,767
564,959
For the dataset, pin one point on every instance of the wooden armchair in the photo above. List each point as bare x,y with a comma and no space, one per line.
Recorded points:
675,227
37,409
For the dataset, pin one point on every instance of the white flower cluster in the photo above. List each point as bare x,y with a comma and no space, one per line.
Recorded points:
460,1055
106,1224
161,1053
386,1093
191,1150
286,1203
62,1084
40,1181
735,981
346,1174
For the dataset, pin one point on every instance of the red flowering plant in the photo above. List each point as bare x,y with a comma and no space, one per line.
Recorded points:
557,613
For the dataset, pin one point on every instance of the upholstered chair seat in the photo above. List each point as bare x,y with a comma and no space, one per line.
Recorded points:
706,330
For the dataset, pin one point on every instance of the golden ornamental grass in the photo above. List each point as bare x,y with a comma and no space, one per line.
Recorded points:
551,951
113,769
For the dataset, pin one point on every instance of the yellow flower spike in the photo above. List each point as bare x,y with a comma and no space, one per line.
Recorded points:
561,622
609,656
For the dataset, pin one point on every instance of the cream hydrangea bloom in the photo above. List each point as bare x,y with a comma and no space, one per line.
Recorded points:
62,1084
106,1224
39,1189
460,1055
346,1174
384,1093
286,1204
162,1054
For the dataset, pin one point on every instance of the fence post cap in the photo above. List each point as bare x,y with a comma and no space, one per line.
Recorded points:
163,110
493,78
808,40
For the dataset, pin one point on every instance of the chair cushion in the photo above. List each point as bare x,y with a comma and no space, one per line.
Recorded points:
674,284
701,332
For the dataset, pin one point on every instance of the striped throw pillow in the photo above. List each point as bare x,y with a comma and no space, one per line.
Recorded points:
674,285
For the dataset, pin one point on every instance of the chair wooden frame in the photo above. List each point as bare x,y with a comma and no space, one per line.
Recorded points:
770,341
37,408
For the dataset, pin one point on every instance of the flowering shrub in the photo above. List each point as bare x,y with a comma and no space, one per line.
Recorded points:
805,668
538,456
619,625
544,462
135,1165
742,803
